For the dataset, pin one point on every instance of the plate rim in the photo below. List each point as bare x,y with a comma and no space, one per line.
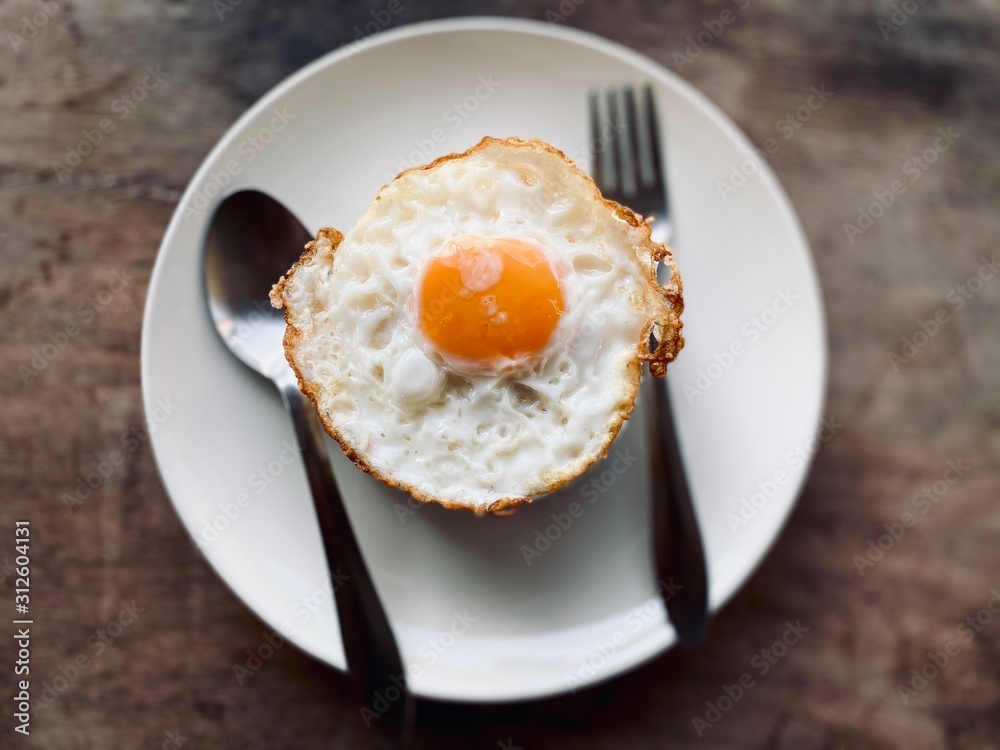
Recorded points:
649,648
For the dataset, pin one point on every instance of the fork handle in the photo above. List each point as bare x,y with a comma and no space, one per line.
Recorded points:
677,540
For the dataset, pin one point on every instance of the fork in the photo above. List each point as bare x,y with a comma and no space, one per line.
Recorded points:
628,169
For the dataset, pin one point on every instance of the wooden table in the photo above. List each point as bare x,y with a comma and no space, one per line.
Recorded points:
898,78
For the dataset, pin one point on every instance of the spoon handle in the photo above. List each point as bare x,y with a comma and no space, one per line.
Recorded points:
373,658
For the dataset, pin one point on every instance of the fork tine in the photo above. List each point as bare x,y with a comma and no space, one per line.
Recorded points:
664,231
612,174
646,168
656,153
629,146
597,148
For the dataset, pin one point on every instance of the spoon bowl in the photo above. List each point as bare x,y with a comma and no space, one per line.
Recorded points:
251,242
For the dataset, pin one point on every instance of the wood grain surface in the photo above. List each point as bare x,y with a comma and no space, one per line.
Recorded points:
167,678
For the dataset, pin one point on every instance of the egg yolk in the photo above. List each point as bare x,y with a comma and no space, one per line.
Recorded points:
489,300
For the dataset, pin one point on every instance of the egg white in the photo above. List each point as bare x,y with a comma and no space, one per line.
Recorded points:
485,440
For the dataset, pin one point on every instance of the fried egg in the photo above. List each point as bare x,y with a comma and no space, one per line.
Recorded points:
477,338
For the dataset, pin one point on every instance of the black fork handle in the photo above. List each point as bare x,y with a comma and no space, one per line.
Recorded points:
680,556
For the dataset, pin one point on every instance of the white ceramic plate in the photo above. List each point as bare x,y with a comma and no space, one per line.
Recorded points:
475,622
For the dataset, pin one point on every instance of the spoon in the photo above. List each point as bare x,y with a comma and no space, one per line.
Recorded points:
251,242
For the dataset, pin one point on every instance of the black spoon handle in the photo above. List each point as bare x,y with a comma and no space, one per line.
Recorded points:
680,554
373,658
